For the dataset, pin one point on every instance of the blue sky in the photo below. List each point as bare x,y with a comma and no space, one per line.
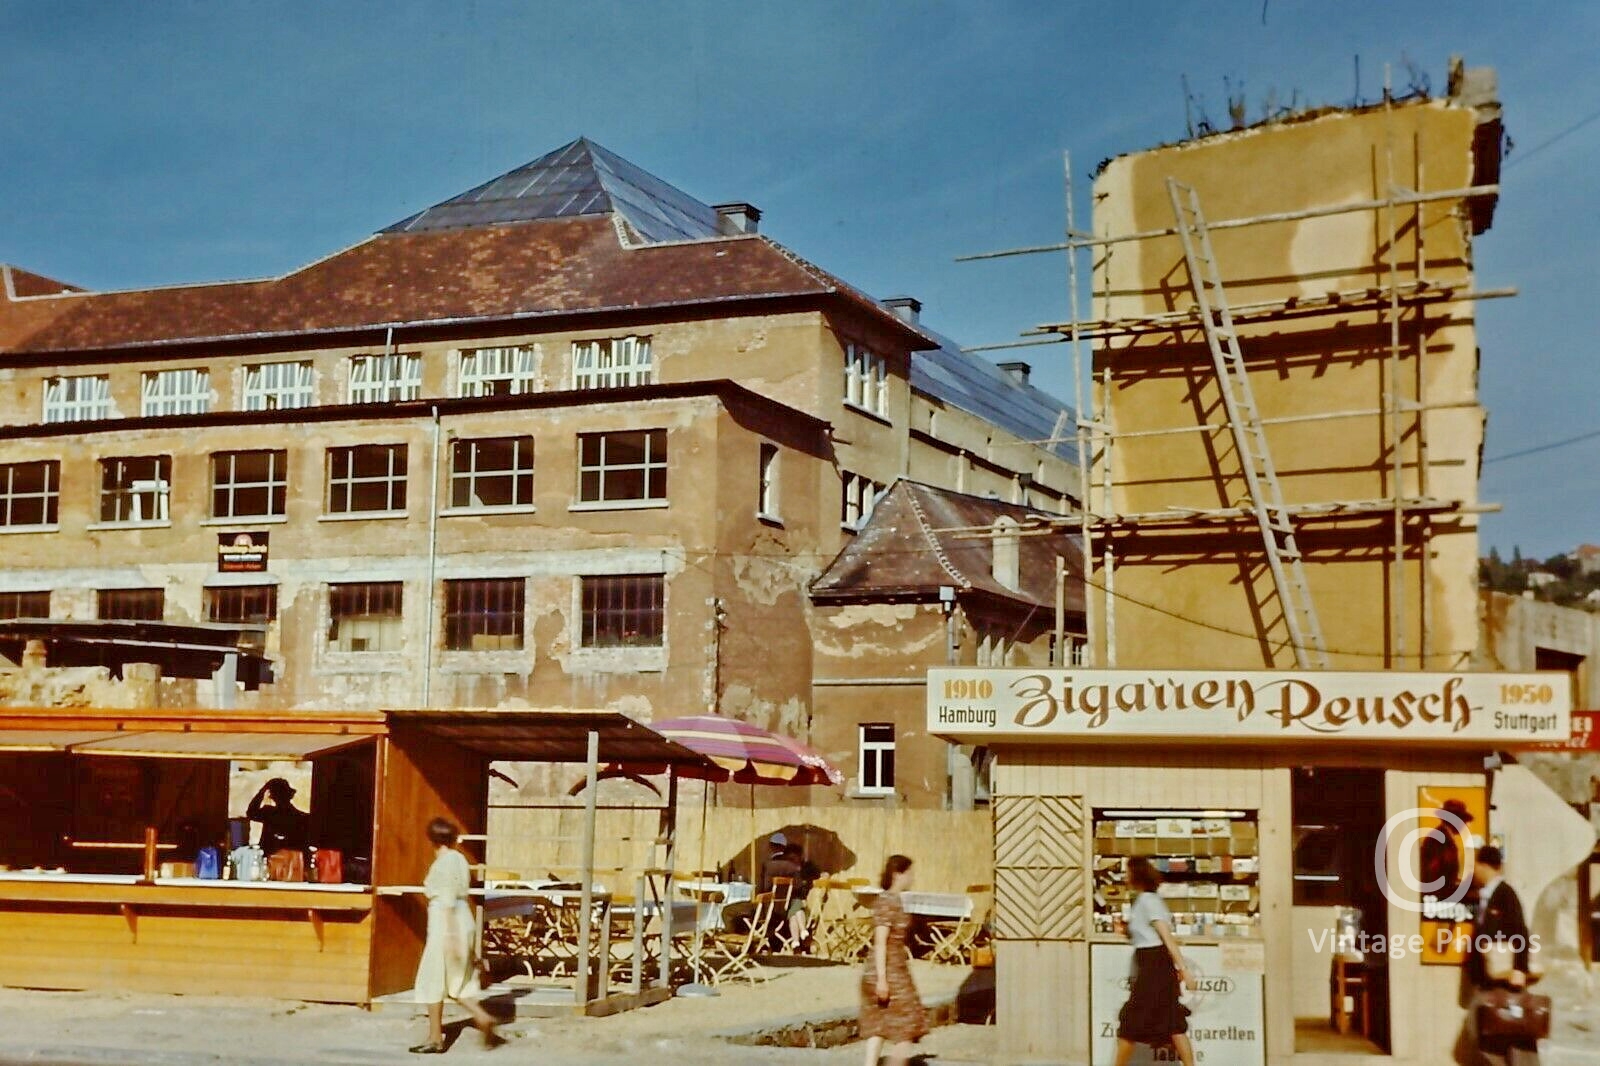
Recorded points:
166,142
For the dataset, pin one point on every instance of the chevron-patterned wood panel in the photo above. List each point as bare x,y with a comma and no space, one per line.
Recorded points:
1039,883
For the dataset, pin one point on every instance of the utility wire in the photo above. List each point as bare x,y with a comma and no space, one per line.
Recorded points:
1552,446
1523,157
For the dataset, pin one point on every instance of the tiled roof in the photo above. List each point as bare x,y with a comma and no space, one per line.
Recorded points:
19,282
911,547
498,272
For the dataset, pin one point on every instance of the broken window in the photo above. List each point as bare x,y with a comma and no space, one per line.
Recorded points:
77,399
866,379
622,467
131,605
242,604
491,472
379,378
367,479
876,758
623,610
498,372
177,392
860,496
249,484
610,364
279,386
365,616
24,605
30,494
767,495
484,615
136,489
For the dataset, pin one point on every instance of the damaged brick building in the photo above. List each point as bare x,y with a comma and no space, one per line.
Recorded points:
572,438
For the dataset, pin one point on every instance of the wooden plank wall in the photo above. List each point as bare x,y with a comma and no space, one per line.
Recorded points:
200,951
951,849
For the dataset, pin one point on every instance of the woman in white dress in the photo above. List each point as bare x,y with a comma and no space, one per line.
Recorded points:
448,969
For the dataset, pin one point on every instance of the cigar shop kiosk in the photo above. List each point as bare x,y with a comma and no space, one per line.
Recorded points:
1262,797
101,812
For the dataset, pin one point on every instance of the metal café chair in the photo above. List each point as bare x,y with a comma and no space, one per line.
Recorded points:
951,940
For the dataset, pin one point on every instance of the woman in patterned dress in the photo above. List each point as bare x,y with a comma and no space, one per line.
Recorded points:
447,969
891,1010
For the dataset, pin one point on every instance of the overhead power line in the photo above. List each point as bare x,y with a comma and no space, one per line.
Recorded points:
1552,446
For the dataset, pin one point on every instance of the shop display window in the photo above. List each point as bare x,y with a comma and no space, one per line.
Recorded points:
1210,862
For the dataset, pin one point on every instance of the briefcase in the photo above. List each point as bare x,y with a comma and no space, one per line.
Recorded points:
1506,1015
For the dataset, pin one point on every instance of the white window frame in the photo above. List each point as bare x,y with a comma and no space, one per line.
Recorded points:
612,364
175,392
130,499
870,761
769,482
652,462
84,398
861,496
277,478
50,494
464,471
399,461
385,378
482,372
1077,651
866,380
279,386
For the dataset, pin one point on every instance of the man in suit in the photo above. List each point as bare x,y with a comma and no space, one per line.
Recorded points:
1500,923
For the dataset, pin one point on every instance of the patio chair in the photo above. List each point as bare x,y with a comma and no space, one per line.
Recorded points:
951,940
729,954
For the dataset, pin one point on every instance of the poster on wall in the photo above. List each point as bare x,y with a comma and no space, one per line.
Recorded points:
1227,1022
1458,826
241,553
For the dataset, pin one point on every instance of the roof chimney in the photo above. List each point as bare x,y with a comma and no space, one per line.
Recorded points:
738,217
908,308
1017,372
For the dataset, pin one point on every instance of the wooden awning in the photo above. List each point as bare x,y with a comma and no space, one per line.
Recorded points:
47,739
550,736
242,747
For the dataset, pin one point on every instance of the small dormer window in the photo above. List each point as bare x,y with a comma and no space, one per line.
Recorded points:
1007,562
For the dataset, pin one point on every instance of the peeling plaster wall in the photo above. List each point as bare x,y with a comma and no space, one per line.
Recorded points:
1310,365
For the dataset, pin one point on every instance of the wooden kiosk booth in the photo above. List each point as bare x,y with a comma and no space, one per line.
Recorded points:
1279,807
97,805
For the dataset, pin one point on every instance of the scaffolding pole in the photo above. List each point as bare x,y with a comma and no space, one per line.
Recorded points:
1085,526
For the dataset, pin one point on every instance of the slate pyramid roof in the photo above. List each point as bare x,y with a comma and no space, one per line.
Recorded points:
909,548
580,178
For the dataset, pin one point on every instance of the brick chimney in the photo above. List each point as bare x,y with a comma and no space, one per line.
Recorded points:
738,217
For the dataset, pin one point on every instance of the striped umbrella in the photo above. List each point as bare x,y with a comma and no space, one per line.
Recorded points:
749,755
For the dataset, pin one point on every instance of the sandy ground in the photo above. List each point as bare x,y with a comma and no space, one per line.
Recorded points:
83,1027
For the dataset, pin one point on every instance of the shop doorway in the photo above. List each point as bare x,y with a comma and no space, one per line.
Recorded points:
1341,994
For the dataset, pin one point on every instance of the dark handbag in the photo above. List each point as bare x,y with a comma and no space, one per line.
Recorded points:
1507,1015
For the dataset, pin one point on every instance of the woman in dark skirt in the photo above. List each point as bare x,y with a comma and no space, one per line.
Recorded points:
1153,1014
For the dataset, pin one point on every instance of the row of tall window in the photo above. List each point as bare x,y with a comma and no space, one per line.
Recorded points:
479,614
485,473
373,378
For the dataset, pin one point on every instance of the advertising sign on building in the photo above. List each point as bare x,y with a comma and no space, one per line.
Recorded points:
1226,1018
985,706
241,553
1585,734
1458,826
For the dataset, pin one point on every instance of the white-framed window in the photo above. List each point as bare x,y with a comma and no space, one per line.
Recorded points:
379,378
136,488
876,759
491,472
1077,651
77,399
177,392
622,467
251,484
30,494
497,372
611,364
279,386
767,495
367,479
866,379
860,496
366,616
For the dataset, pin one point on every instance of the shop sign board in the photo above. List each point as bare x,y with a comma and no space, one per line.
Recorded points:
1499,710
242,553
1456,827
1227,1019
1585,734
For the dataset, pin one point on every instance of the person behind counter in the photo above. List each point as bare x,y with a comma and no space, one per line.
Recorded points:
447,969
284,827
1153,1015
